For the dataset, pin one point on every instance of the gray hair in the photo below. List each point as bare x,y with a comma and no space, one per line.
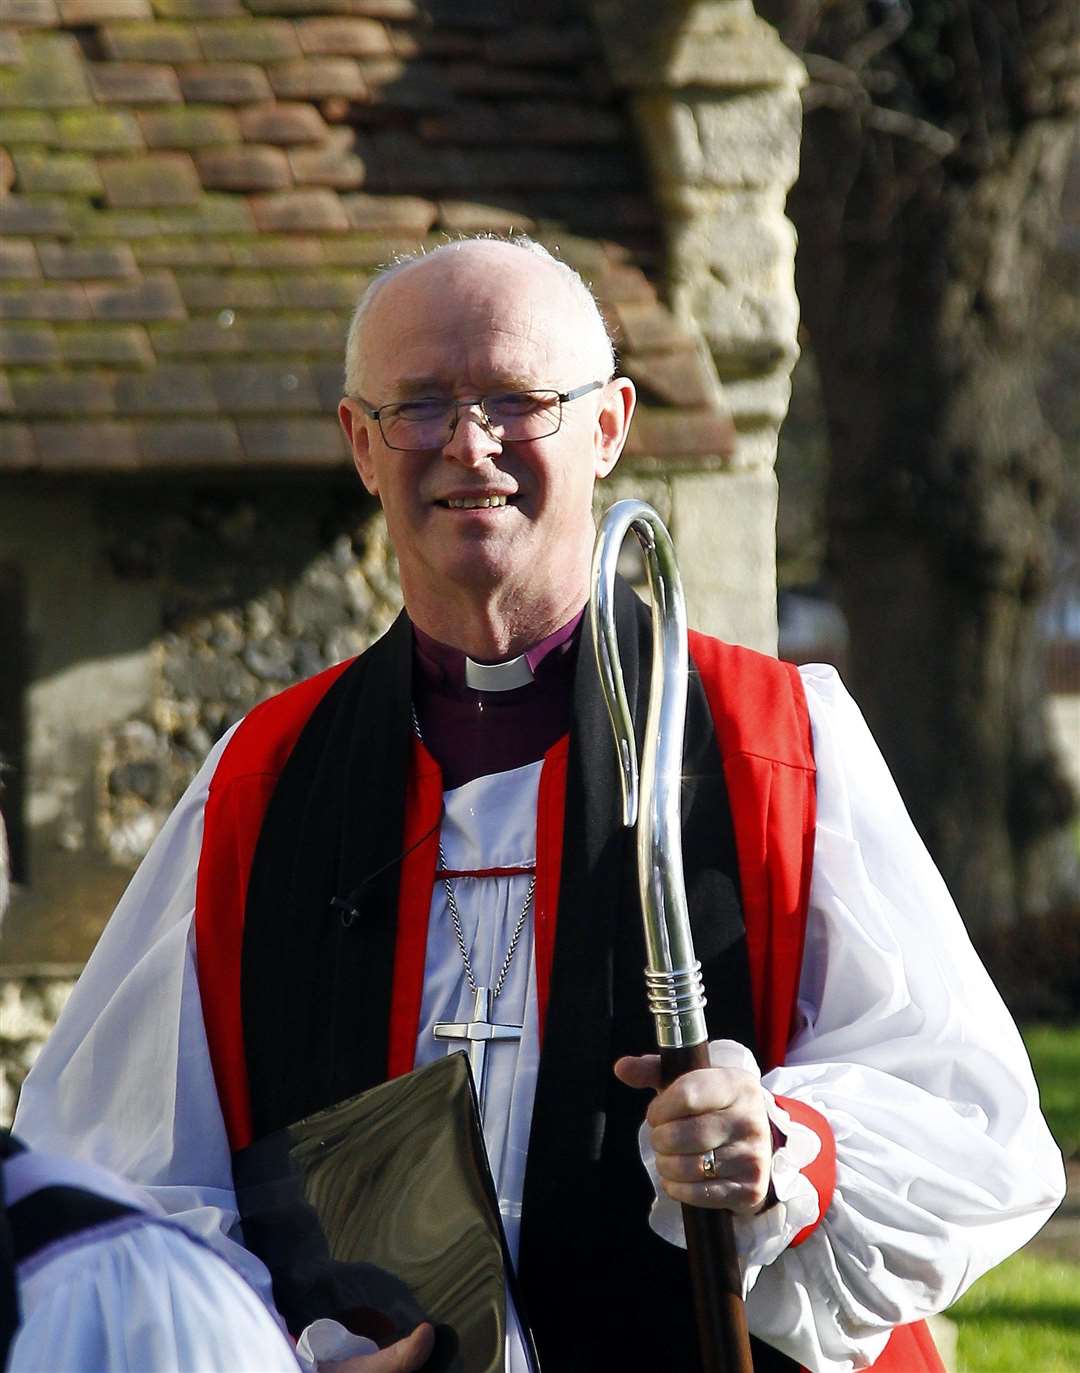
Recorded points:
577,286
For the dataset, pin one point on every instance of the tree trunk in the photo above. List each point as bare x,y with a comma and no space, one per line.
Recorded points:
933,165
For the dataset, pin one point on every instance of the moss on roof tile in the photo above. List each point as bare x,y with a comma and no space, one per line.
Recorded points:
214,181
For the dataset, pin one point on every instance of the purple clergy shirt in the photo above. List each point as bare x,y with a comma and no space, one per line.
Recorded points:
474,733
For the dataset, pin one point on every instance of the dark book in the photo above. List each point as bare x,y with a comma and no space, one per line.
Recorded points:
381,1212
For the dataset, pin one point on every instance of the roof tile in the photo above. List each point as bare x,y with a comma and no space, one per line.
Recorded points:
52,77
28,14
64,393
291,440
76,12
22,345
186,442
684,433
121,345
18,260
483,79
388,9
398,161
296,333
63,173
248,40
525,121
347,36
543,46
469,216
225,83
232,290
23,301
11,48
405,214
98,131
316,211
183,126
211,214
312,78
368,249
26,126
80,260
325,290
24,214
159,178
245,167
65,445
154,297
406,85
264,388
176,251
333,163
270,273
291,250
167,390
17,451
283,122
156,41
291,7
645,326
199,9
134,83
210,337
672,378
89,222
329,383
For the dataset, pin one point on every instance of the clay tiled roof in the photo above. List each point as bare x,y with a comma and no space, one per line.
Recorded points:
192,193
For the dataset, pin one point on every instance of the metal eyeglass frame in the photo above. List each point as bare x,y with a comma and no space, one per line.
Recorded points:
563,397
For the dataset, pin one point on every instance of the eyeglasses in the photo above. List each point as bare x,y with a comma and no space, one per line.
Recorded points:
509,416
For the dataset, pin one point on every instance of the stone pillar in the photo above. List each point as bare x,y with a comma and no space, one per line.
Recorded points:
716,97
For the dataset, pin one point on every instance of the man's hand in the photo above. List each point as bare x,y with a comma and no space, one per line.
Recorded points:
404,1356
721,1109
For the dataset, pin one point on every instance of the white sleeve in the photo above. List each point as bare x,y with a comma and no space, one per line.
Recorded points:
944,1163
147,1298
125,1079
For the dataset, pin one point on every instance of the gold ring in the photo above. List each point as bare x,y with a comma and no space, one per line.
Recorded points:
708,1165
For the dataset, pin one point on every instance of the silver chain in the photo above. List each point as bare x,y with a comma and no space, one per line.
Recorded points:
452,906
451,902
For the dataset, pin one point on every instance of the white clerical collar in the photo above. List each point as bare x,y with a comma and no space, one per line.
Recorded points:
498,676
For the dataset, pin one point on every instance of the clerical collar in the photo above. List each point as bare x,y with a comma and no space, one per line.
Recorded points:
448,666
474,732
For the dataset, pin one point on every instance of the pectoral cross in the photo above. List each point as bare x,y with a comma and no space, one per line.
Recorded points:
478,1032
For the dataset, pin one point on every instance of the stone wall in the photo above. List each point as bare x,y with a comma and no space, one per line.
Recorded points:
206,598
716,98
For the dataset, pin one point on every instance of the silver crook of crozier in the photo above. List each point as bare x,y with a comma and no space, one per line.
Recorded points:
651,799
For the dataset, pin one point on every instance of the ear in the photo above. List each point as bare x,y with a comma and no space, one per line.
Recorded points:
613,424
355,424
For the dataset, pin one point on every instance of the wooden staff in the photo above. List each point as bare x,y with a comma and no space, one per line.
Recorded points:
673,975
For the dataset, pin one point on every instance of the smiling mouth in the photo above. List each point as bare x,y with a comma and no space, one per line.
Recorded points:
474,503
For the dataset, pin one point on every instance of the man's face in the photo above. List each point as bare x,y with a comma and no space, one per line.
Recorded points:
484,319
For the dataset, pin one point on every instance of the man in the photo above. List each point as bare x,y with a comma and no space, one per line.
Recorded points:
378,860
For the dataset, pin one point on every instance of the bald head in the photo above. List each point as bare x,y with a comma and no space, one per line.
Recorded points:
482,274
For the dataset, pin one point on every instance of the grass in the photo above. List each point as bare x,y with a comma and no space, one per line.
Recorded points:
1055,1056
1024,1316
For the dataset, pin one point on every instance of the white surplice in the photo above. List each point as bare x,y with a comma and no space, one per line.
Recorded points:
945,1165
133,1295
